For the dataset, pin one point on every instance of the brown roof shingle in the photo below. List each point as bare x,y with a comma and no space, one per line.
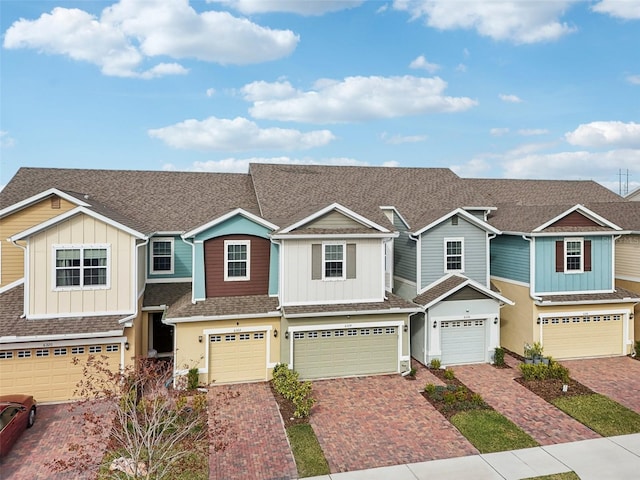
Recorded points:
393,302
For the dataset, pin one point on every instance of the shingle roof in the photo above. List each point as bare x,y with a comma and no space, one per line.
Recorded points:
153,200
157,294
393,302
11,323
620,294
439,289
222,306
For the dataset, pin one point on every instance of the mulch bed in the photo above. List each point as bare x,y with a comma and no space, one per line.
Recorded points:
448,410
286,409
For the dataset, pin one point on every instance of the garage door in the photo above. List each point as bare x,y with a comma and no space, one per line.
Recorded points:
582,336
238,357
463,341
344,352
49,374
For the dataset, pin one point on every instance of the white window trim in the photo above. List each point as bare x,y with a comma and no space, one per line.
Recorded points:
566,256
81,247
152,271
454,239
227,243
344,262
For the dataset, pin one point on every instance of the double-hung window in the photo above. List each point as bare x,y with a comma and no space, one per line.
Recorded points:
237,255
85,266
573,255
333,261
162,255
453,255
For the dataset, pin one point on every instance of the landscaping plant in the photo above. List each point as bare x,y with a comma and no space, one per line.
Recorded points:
287,384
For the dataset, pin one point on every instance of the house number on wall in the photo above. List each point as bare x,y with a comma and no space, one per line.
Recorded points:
47,344
237,329
348,325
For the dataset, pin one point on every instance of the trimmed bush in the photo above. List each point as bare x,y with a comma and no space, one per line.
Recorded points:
193,378
435,364
287,384
543,372
498,357
449,375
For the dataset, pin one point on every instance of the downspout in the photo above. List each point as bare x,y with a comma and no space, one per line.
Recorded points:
490,236
193,267
26,289
532,267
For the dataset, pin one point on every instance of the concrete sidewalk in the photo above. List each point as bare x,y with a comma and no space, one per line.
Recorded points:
612,458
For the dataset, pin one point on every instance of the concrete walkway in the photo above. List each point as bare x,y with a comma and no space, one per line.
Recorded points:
613,458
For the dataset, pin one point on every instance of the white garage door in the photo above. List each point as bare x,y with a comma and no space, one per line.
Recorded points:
345,352
582,336
238,357
463,341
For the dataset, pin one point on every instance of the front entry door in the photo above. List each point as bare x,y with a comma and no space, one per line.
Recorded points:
162,335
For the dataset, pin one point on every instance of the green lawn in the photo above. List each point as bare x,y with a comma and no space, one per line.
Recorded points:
489,431
600,414
307,452
557,476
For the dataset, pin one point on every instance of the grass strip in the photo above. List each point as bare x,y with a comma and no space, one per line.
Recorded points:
600,414
306,450
490,431
557,476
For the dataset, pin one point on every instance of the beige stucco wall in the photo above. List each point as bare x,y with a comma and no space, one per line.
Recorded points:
634,287
81,229
516,321
190,352
12,257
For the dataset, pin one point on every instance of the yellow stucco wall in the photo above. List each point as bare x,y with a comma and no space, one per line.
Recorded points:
12,257
516,322
634,287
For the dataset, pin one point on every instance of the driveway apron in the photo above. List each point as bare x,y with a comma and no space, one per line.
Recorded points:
369,422
248,439
55,428
618,378
547,424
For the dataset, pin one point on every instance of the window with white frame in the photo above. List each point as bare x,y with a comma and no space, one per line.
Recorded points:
333,257
85,266
162,255
453,255
573,255
236,260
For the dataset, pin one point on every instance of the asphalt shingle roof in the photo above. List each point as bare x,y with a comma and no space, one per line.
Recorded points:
222,306
393,302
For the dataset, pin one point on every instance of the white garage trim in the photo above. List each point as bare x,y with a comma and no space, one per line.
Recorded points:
62,343
433,336
215,331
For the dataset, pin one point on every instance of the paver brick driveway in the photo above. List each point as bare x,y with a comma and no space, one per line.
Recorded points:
618,378
369,422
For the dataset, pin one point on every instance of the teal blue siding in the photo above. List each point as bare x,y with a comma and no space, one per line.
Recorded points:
181,259
237,225
404,252
510,258
598,279
474,251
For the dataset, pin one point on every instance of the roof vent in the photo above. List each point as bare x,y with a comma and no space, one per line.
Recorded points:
55,202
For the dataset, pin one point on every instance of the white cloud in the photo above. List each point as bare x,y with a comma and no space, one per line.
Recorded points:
625,9
130,33
353,99
476,167
528,132
600,134
461,67
241,165
510,98
517,21
6,141
238,134
305,7
498,132
400,139
210,92
391,163
423,64
633,79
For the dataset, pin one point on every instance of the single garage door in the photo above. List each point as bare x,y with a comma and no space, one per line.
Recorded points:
463,341
582,336
238,357
49,374
345,352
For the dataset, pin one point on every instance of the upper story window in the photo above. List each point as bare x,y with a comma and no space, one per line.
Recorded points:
453,255
162,255
333,261
236,260
573,255
85,266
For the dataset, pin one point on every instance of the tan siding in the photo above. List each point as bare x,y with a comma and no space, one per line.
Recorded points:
333,220
628,256
80,229
517,321
12,260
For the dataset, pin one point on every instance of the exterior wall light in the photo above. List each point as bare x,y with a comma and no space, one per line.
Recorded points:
286,334
495,321
275,333
126,345
435,324
406,328
200,338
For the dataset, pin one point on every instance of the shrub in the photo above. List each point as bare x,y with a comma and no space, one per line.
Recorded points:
449,375
430,389
435,363
413,372
477,400
637,347
193,378
560,372
498,356
287,384
449,398
542,372
461,394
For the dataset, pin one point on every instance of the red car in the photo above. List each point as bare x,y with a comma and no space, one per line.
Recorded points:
17,413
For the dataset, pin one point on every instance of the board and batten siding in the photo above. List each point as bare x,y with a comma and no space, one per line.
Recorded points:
404,252
81,230
333,220
474,251
300,288
628,257
510,258
12,257
182,262
598,279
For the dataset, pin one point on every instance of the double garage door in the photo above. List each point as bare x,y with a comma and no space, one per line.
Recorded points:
463,341
583,336
238,357
50,373
343,352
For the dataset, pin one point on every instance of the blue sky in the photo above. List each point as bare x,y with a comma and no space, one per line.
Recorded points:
515,89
